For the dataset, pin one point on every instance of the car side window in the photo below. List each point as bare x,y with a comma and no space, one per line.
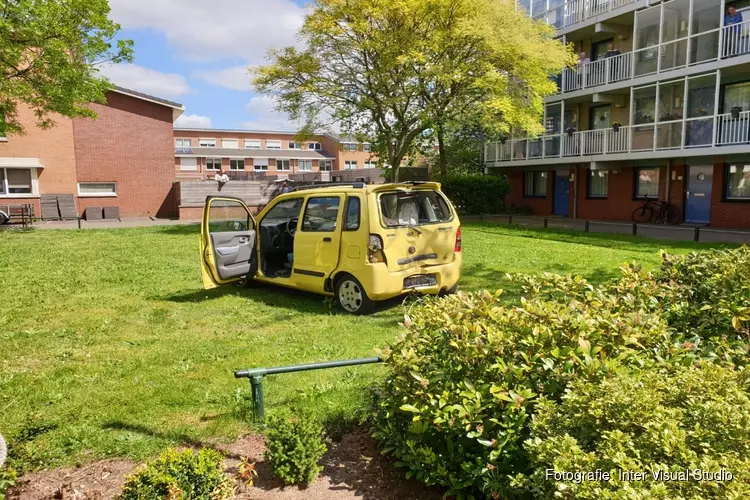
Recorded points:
228,216
353,211
321,214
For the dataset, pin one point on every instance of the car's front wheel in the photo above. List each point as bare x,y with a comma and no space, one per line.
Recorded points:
352,297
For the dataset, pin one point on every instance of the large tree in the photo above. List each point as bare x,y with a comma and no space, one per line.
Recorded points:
49,50
390,70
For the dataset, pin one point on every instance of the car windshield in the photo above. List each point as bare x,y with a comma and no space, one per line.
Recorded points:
413,208
282,211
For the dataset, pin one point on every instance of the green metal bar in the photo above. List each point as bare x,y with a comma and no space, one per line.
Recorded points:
256,377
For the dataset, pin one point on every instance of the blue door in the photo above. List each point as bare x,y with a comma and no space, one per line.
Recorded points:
698,196
562,192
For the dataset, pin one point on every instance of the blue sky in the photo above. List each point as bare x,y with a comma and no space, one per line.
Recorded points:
198,52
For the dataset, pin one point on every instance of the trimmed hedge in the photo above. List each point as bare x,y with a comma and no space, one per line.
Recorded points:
468,373
695,420
474,194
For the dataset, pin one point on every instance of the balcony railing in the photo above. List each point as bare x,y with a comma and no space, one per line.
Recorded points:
601,72
728,129
736,39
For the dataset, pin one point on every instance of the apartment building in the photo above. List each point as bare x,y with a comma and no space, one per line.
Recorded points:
123,158
658,107
248,154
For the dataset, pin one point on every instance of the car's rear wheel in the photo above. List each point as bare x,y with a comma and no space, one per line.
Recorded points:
449,291
352,297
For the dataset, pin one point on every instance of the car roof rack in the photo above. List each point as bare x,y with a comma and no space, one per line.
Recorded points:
357,185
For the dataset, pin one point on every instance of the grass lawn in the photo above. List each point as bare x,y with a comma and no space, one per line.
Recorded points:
109,347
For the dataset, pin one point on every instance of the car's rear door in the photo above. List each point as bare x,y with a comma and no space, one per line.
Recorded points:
228,242
317,241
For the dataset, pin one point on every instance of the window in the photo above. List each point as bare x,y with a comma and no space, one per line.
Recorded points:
182,143
737,182
350,146
350,164
189,164
236,164
228,216
15,181
260,164
295,145
315,146
366,147
252,144
737,96
412,208
535,185
370,164
321,214
97,189
230,143
282,165
207,143
598,182
352,214
647,182
325,165
282,211
273,144
305,165
213,163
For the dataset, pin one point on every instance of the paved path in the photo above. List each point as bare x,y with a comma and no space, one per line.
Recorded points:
106,224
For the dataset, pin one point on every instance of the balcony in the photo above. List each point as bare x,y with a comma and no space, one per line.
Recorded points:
708,46
561,14
730,129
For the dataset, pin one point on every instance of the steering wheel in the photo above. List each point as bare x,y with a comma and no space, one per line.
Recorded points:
291,225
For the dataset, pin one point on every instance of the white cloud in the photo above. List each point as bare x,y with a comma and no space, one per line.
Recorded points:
265,117
234,78
216,30
193,121
147,80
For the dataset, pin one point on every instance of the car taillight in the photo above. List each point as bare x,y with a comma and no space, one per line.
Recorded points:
457,247
375,249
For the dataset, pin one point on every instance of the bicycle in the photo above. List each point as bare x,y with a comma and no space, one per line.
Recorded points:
661,212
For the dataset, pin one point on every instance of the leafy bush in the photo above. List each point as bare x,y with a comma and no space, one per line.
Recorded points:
7,479
295,446
695,419
181,475
466,374
476,194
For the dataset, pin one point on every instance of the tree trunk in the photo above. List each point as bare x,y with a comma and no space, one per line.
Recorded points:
443,160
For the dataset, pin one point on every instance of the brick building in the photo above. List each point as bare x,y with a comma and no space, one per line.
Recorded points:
123,158
658,107
248,154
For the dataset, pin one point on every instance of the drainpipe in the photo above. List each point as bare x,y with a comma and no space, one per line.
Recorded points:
669,178
575,192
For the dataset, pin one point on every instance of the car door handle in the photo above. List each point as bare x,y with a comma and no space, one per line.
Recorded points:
327,239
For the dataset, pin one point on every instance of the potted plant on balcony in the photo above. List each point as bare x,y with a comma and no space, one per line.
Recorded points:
701,111
736,112
570,131
616,126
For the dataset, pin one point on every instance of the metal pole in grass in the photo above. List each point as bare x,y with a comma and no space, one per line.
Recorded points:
256,377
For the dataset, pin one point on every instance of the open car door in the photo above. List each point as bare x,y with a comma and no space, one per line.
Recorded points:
228,242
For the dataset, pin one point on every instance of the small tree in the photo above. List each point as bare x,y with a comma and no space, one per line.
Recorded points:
48,55
392,69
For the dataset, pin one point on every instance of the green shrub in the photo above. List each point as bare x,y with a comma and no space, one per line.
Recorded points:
466,373
474,194
294,448
183,475
695,419
7,479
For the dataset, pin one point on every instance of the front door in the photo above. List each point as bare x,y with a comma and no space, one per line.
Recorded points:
317,241
562,192
228,236
698,197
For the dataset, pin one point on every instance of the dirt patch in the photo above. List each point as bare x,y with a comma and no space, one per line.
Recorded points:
352,468
95,481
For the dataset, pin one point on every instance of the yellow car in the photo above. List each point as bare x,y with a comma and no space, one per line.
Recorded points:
359,243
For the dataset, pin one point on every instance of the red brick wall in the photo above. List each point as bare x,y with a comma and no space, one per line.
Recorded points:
131,143
619,204
728,214
539,206
53,148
